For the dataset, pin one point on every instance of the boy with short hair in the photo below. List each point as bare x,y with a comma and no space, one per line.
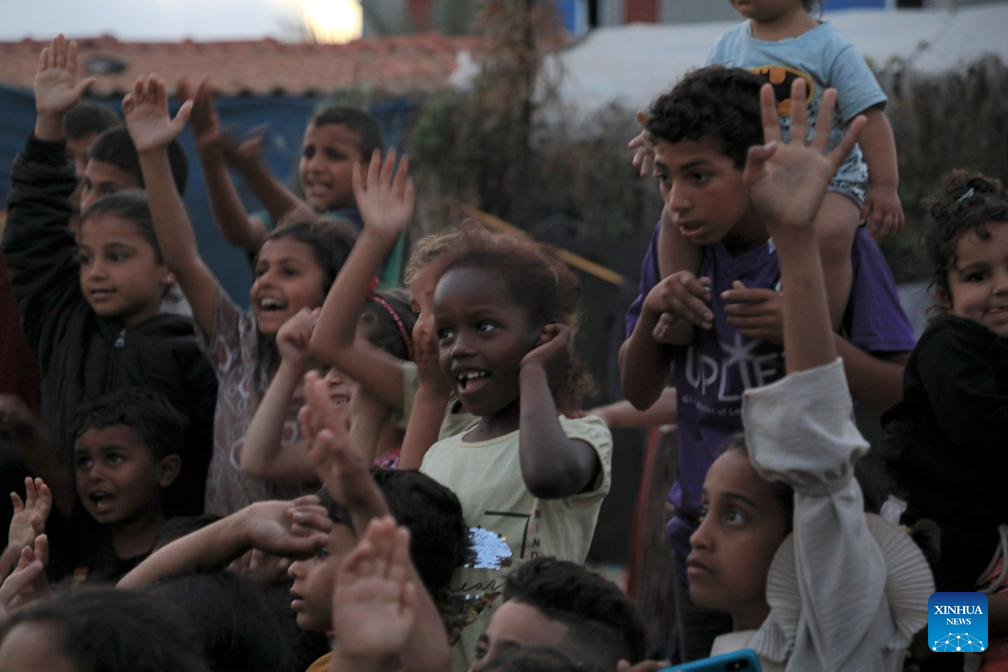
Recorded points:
702,130
82,125
91,308
126,455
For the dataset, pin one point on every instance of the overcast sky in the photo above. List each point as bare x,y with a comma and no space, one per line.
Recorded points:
148,19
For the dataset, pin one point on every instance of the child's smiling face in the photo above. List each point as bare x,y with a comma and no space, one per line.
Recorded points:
743,525
978,279
288,278
117,476
328,155
482,336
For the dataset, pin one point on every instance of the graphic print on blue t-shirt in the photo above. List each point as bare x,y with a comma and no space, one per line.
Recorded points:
957,622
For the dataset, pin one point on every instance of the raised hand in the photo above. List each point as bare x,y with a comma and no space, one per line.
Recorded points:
374,604
385,196
30,514
294,336
146,111
755,313
56,86
787,181
644,154
204,120
17,420
27,582
883,212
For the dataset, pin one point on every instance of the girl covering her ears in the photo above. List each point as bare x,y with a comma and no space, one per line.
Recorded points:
951,429
784,546
293,270
385,323
503,312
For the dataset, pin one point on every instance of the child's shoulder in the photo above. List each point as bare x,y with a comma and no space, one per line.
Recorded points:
951,331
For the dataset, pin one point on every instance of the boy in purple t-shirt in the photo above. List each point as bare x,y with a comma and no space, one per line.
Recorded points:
720,332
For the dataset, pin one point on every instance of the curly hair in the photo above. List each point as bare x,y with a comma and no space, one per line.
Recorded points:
537,281
966,203
599,617
388,322
714,102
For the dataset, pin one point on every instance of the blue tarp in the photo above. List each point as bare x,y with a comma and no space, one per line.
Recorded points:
286,117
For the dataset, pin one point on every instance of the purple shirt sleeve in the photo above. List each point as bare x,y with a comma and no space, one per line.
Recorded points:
875,320
649,277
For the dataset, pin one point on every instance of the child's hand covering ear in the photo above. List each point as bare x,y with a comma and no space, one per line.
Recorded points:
147,119
385,196
554,345
374,604
30,515
27,582
56,85
787,181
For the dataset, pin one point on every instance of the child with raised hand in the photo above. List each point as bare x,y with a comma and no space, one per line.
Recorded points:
502,309
91,307
784,545
949,431
386,198
782,41
294,269
384,326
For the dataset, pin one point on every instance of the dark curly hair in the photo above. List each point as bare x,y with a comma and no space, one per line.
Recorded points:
388,322
966,203
714,102
602,622
537,281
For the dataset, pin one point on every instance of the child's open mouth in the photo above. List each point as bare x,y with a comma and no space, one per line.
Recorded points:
271,304
470,381
101,500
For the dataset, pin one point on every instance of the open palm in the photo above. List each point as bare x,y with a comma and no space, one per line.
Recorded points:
146,111
787,181
56,85
385,196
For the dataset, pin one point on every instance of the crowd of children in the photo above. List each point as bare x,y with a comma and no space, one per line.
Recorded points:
355,475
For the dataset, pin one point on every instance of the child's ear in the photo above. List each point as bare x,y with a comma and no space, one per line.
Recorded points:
169,470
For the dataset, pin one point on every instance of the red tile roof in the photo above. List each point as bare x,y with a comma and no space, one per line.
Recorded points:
400,64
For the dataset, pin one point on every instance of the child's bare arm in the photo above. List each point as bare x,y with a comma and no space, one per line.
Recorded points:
57,88
385,197
346,478
431,398
264,455
228,211
623,414
553,465
263,525
152,129
882,207
675,253
787,183
278,200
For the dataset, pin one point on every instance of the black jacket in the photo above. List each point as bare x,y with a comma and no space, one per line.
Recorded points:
82,355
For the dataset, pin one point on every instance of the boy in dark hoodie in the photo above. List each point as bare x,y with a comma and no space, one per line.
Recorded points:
91,308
